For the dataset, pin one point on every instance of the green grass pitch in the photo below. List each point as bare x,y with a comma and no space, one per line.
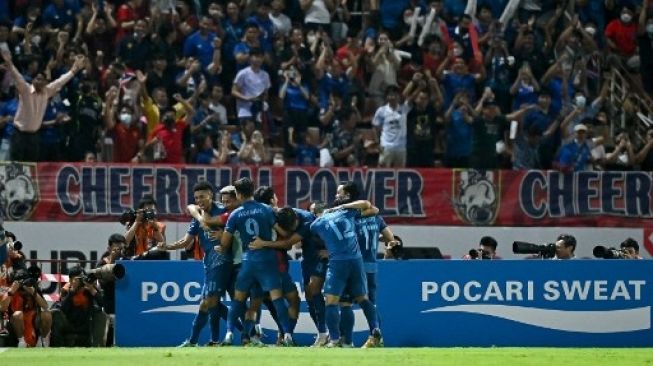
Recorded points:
310,356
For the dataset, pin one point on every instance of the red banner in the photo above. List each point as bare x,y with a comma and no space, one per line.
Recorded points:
81,192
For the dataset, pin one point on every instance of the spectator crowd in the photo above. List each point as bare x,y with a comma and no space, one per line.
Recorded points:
487,84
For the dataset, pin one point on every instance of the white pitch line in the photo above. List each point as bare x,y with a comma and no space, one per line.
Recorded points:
3,349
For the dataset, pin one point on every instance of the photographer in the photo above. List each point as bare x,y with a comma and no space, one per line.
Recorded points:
117,250
10,250
144,232
565,247
394,249
78,318
630,249
30,321
487,250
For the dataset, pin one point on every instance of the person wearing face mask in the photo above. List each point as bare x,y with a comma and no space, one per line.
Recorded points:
576,155
584,110
170,133
645,45
620,34
125,129
126,17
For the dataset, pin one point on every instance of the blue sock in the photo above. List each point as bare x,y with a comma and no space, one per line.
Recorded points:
214,322
273,313
236,311
378,317
320,313
223,311
370,313
198,324
282,314
248,327
333,321
311,310
292,322
347,324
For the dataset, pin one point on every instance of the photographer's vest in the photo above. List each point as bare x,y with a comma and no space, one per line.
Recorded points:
29,316
145,238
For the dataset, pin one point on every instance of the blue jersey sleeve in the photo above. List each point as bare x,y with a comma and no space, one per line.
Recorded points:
232,221
194,228
381,223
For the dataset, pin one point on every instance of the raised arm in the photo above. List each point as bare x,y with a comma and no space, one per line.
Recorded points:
55,86
21,85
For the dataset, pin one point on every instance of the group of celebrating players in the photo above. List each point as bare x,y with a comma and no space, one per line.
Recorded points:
245,239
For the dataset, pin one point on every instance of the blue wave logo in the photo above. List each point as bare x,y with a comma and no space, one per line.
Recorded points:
597,322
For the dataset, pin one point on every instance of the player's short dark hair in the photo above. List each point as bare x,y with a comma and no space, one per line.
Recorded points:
117,238
287,218
630,243
264,194
351,188
244,186
319,207
147,199
203,186
489,241
569,241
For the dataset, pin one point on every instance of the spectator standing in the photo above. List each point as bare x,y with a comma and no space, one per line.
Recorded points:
347,143
422,126
251,87
254,151
199,45
32,103
575,155
390,122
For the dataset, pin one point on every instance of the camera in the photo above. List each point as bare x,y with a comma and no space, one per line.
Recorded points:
544,251
105,273
397,251
608,253
479,254
149,215
27,277
16,245
129,216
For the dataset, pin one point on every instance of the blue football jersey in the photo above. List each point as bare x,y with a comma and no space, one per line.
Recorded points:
338,232
310,247
367,231
253,219
211,258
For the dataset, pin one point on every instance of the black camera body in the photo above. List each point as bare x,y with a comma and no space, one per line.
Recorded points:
608,253
397,251
27,277
129,216
544,250
479,254
149,215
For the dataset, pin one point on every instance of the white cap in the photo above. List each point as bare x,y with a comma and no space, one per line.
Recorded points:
580,127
